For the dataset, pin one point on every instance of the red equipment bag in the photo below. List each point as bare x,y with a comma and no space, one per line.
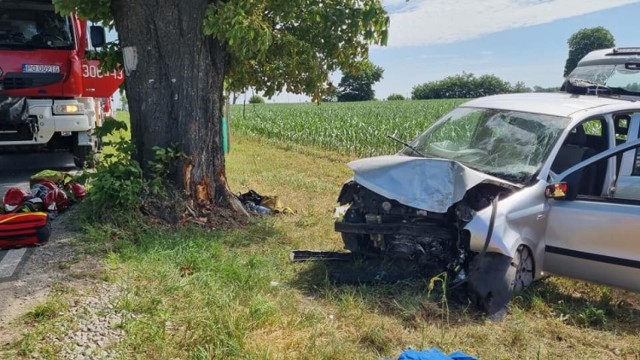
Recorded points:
23,229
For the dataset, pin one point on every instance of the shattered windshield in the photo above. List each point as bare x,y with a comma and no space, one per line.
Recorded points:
33,28
620,79
506,144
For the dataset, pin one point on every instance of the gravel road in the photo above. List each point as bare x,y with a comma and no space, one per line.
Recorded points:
26,271
27,275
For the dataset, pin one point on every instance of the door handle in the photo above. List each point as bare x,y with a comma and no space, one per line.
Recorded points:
540,217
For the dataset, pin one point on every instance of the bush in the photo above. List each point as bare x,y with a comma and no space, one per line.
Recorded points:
117,187
465,85
395,97
256,99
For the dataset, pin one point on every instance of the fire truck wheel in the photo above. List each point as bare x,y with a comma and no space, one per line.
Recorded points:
84,156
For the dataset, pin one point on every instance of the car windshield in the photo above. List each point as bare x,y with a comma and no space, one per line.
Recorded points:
625,77
507,144
35,27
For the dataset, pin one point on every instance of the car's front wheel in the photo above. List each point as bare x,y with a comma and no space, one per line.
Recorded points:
493,278
522,269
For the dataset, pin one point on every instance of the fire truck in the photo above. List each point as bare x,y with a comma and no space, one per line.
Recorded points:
52,97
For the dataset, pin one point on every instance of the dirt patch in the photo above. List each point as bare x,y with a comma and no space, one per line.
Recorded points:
57,263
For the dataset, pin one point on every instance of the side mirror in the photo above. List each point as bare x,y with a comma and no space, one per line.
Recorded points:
556,191
98,36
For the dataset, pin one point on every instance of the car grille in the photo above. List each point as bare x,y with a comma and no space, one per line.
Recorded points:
14,81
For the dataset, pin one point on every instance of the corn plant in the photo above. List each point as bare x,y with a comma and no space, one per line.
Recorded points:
359,128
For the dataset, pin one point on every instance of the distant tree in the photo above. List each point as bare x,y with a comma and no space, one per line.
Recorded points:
520,87
124,101
358,85
330,93
395,97
635,87
256,99
465,85
585,41
234,96
542,89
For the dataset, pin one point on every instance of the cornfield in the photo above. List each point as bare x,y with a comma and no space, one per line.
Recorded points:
359,129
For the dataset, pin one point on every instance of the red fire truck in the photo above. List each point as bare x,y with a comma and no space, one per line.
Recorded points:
51,97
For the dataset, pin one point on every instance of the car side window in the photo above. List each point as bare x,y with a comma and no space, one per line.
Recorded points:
621,127
584,141
636,165
635,170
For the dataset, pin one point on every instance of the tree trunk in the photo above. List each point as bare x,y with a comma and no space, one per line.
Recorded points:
175,77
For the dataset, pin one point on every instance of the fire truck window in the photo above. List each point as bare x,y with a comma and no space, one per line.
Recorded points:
39,28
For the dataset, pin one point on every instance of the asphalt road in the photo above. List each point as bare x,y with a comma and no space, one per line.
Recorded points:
15,170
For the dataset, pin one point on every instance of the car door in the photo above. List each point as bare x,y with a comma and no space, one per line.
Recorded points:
595,238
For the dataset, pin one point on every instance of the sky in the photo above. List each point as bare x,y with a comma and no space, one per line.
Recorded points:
517,40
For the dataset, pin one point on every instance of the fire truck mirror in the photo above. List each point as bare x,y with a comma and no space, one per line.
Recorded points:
98,36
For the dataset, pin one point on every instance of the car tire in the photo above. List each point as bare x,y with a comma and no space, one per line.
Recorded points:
494,278
356,243
522,270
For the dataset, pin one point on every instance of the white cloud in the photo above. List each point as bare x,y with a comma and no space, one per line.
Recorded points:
425,22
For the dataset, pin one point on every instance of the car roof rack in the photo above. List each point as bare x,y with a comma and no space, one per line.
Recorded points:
625,51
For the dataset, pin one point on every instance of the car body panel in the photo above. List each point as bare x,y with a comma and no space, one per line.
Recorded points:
520,219
594,241
556,104
411,180
607,57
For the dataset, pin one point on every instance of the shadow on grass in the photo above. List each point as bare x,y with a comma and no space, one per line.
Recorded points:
425,299
413,300
582,305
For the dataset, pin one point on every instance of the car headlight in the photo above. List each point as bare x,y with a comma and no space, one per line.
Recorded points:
68,109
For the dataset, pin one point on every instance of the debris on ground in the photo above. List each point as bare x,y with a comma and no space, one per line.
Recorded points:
25,214
433,354
258,204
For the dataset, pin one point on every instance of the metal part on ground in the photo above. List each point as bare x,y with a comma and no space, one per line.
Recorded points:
319,255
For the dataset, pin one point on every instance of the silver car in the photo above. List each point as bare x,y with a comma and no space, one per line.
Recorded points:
504,190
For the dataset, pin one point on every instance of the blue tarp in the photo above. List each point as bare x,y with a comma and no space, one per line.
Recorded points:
434,354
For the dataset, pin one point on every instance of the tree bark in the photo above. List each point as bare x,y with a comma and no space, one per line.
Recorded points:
174,83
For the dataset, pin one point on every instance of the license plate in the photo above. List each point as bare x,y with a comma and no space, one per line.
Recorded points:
42,69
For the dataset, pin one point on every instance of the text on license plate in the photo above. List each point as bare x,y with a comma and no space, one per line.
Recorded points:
34,68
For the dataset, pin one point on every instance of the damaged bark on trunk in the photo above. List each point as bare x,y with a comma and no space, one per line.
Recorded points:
175,77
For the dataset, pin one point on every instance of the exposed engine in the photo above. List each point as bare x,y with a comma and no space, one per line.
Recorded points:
376,226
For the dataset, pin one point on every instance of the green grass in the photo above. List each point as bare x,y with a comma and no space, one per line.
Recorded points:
359,128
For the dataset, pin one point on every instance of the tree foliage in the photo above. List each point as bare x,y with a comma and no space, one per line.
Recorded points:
584,41
395,97
296,49
357,84
256,99
465,85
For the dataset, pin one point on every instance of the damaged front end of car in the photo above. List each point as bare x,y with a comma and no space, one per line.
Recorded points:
415,211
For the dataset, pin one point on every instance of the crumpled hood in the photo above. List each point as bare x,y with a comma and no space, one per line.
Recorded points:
423,183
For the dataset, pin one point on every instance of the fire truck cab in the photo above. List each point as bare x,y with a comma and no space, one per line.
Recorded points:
51,96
